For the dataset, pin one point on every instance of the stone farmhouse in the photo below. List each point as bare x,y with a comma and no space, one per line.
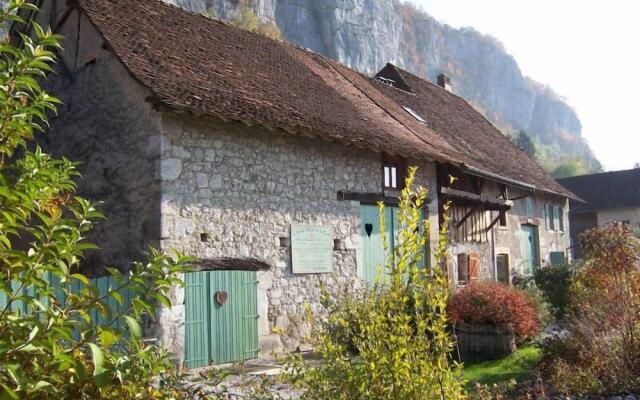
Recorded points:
607,197
265,161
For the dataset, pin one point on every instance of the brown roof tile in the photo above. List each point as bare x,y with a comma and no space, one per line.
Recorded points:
195,63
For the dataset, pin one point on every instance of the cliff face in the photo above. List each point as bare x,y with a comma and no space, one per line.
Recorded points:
366,34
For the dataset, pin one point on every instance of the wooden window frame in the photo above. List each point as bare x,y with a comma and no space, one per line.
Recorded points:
400,166
471,274
508,266
529,207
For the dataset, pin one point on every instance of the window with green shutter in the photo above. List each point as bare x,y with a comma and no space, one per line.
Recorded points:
528,206
550,217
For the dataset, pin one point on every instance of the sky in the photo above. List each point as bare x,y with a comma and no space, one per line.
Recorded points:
588,51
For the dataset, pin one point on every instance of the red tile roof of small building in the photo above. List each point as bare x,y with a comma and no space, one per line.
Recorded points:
203,65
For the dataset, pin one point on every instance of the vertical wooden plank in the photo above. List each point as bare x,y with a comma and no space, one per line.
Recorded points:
251,314
474,267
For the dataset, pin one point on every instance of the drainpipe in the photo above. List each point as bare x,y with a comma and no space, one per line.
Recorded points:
493,255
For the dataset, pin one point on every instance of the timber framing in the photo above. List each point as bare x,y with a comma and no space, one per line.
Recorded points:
229,264
463,198
371,197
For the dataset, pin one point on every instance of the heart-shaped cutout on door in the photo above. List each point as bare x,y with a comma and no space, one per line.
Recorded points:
221,297
368,228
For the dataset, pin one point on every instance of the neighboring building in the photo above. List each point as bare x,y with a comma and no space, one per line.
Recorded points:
608,197
265,162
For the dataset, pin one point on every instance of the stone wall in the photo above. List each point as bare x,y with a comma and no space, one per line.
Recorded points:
243,187
105,124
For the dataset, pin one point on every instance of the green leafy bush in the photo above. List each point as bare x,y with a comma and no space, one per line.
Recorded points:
554,281
51,344
397,328
599,352
495,304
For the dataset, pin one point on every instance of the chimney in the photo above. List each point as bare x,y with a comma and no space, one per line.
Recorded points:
445,82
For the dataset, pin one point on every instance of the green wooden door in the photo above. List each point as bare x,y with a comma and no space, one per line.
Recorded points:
529,249
221,317
374,257
234,323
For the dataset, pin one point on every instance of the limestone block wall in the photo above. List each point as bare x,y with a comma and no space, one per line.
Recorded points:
243,187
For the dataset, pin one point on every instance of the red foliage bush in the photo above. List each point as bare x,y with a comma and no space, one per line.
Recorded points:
495,304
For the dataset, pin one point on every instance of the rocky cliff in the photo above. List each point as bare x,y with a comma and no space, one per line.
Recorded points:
366,34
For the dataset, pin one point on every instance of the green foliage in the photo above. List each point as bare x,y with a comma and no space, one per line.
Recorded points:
398,328
537,299
247,19
570,167
600,352
524,142
554,281
51,345
517,366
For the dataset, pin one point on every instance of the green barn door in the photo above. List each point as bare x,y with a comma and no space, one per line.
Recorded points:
234,322
221,317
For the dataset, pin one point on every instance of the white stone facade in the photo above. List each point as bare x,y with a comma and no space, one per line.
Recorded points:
243,187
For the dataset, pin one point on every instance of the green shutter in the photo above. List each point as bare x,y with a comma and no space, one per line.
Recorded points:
197,319
373,252
374,256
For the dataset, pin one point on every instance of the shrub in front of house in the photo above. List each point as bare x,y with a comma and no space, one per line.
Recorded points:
398,328
599,350
554,281
481,307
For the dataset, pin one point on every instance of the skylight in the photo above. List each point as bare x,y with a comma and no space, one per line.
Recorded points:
415,115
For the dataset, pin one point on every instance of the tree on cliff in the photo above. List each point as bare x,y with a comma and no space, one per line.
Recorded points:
524,142
572,167
247,18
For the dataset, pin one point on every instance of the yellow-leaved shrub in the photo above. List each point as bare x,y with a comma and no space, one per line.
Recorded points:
389,340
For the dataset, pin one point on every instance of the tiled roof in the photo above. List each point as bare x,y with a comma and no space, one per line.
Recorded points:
617,189
477,142
191,62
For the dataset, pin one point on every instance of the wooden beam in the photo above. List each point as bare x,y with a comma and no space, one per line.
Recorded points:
371,197
495,221
466,216
462,198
